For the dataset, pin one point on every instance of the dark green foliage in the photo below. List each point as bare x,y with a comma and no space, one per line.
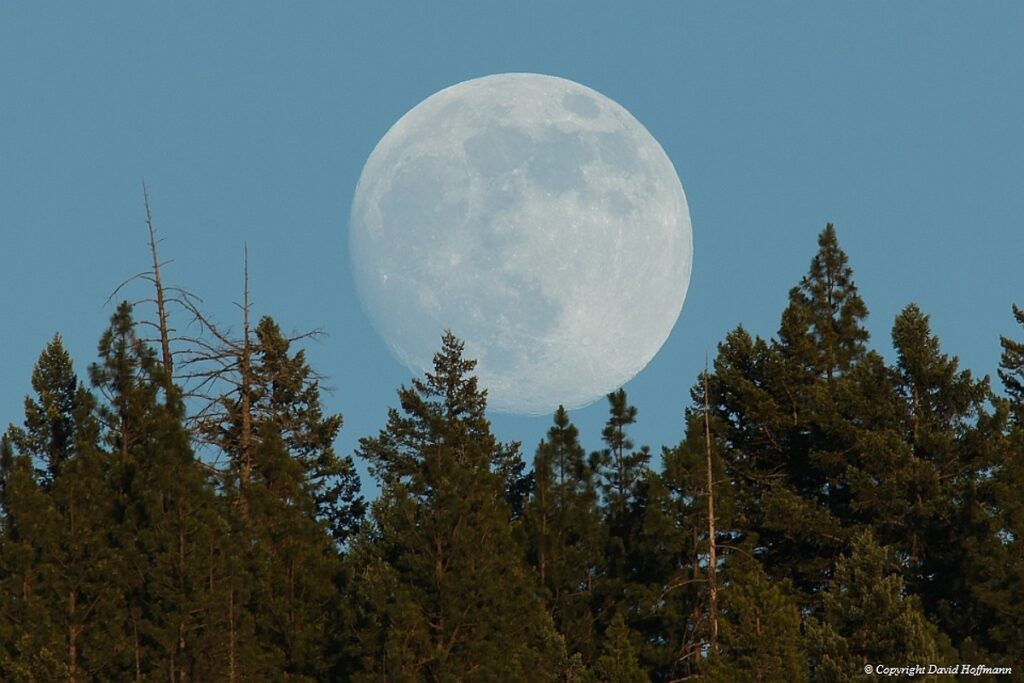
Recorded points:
759,637
49,434
564,534
865,513
628,491
166,527
677,601
1011,367
822,328
30,637
797,419
287,406
618,663
951,446
292,498
619,467
299,491
868,619
998,559
442,592
59,521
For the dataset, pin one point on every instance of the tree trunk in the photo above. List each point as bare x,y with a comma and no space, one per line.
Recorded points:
712,558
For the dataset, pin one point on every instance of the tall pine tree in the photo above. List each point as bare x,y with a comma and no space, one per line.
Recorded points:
564,533
442,592
166,522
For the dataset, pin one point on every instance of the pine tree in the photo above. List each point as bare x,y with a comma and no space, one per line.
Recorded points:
74,560
789,416
1011,368
868,618
822,328
621,472
997,562
679,614
287,402
765,424
29,632
822,343
298,492
167,527
618,662
624,480
760,636
954,444
49,433
619,467
564,533
442,592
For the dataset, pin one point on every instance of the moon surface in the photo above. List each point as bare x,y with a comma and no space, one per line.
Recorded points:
538,221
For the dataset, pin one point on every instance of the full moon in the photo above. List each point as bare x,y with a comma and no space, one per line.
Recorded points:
538,221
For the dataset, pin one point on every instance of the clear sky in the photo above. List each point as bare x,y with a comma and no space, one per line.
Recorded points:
899,122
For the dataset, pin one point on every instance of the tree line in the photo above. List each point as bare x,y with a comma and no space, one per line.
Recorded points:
181,514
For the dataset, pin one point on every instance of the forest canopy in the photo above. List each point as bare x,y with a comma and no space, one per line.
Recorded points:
179,512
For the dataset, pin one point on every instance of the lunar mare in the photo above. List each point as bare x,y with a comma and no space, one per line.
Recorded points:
538,221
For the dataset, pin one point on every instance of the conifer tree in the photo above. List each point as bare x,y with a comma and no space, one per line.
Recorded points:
997,583
868,619
1011,368
623,479
822,328
563,529
442,592
822,343
29,632
760,636
75,557
299,491
621,474
620,468
618,662
49,433
166,519
954,444
292,501
680,613
788,413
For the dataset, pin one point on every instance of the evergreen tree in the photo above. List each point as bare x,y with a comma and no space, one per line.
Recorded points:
869,619
954,444
1011,368
618,663
293,500
564,533
822,328
73,557
49,433
287,404
624,481
997,580
620,468
442,592
760,636
621,474
678,614
789,415
167,527
29,633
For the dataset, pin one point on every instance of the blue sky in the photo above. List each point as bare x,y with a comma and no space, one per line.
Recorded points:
898,122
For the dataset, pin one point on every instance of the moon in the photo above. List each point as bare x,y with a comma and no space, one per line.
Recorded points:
536,219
